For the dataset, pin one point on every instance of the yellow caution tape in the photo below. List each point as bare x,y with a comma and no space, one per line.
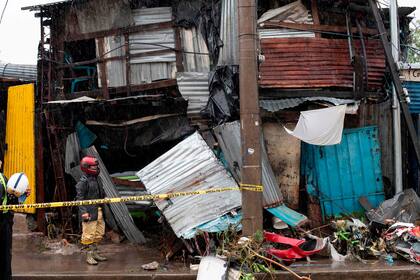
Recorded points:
248,187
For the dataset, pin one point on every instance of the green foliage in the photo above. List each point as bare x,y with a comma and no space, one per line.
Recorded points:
414,42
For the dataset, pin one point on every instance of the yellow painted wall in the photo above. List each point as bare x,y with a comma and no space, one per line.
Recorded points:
20,136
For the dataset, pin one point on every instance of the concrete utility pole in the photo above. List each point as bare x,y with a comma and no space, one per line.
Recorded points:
396,110
250,117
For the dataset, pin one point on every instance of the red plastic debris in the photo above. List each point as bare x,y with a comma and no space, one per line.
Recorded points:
298,249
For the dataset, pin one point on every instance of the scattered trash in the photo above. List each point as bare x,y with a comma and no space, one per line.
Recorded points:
403,207
223,103
62,247
212,268
194,267
151,266
335,256
403,239
298,248
279,224
389,259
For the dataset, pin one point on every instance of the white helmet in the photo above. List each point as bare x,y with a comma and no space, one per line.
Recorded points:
18,185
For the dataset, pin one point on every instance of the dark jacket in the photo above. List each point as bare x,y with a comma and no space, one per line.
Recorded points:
6,232
89,187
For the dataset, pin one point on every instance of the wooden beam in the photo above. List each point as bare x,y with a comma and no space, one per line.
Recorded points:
102,66
127,63
315,15
272,93
121,31
135,184
315,27
179,54
153,85
113,58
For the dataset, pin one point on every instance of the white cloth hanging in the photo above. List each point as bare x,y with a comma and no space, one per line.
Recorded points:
320,127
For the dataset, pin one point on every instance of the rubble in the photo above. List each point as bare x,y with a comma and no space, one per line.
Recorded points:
403,207
150,266
153,86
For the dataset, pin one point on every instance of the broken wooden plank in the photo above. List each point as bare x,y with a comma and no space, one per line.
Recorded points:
135,184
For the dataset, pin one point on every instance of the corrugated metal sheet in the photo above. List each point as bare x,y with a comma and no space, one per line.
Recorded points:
281,104
287,215
21,72
147,68
195,88
340,174
143,73
191,165
316,62
413,89
152,15
229,138
229,33
294,12
56,3
284,33
223,223
20,136
158,40
196,54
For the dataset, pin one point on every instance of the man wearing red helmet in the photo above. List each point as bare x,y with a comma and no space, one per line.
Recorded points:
93,225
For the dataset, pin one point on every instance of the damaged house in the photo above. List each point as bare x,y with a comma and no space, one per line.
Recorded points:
151,88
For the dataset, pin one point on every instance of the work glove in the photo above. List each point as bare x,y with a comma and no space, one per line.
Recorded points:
85,217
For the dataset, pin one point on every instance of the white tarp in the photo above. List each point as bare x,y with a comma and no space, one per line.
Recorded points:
321,126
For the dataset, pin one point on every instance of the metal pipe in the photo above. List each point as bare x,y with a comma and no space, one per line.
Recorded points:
250,117
396,111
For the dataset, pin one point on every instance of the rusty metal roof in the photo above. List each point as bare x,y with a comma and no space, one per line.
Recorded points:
57,3
317,62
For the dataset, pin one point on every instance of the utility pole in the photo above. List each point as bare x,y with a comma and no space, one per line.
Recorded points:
250,117
396,110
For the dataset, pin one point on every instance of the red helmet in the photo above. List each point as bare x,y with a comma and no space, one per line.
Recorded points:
89,165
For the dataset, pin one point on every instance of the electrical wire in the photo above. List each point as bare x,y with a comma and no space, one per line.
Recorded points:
4,9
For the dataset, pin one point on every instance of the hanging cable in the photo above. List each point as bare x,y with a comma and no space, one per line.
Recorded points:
4,9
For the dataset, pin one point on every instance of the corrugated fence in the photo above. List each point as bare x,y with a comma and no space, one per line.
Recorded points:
20,136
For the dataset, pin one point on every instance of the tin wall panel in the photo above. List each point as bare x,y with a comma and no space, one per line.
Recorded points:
20,136
195,88
413,89
229,31
229,138
317,62
340,174
189,166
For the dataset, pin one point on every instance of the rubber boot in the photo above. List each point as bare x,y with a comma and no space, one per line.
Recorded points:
89,256
97,256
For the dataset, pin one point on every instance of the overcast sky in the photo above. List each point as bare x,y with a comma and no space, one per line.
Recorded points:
20,30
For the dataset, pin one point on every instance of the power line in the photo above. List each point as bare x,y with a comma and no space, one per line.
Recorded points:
4,9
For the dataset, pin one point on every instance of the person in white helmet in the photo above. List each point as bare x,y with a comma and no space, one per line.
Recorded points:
12,191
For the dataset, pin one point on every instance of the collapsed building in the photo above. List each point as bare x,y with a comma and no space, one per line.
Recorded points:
132,81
